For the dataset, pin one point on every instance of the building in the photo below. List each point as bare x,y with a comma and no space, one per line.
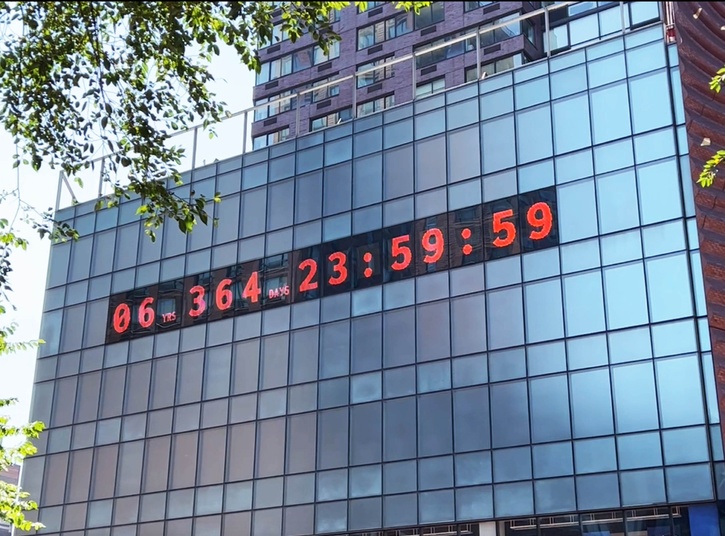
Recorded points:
372,39
478,313
11,476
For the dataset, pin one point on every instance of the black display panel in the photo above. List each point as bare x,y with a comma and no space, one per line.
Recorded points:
466,236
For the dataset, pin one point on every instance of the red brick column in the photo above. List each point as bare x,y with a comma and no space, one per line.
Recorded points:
700,34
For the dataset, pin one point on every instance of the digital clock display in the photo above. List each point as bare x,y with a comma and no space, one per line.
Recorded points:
470,235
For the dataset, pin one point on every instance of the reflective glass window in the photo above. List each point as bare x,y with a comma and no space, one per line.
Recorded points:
625,296
680,391
577,211
498,144
610,113
533,130
571,124
544,311
591,403
669,290
635,403
659,192
583,297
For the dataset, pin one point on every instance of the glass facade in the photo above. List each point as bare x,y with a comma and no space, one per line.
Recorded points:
567,390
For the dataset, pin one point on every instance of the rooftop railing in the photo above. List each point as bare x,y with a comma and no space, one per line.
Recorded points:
202,150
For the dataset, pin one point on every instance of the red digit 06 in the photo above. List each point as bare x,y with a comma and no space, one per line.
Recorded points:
224,297
121,318
146,313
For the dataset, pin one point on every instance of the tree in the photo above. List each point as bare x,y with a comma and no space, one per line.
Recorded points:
79,80
86,79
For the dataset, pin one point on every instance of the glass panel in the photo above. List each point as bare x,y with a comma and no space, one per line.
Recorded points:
680,391
610,113
571,124
635,403
533,134
626,300
591,403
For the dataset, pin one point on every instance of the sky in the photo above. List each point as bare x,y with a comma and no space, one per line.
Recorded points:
233,85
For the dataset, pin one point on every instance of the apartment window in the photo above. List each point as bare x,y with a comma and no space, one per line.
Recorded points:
319,56
377,75
275,107
371,5
330,119
334,15
295,62
498,66
444,53
501,34
384,30
270,139
375,105
322,93
585,22
430,15
428,88
470,6
279,34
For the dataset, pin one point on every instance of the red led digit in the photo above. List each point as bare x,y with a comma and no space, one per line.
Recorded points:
400,250
339,259
468,248
199,304
223,297
146,313
506,227
367,257
307,283
540,218
433,244
121,318
251,289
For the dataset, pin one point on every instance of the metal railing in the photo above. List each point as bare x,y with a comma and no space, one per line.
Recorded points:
234,123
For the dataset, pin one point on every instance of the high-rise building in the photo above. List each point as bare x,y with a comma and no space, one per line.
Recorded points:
480,312
296,90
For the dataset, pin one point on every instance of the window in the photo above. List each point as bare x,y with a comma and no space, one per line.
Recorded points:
470,6
318,55
444,53
498,66
430,15
334,15
428,88
500,34
295,62
377,75
279,34
270,139
376,105
275,107
330,119
371,5
323,93
382,31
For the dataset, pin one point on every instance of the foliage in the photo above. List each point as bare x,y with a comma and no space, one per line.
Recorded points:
82,80
14,502
710,169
